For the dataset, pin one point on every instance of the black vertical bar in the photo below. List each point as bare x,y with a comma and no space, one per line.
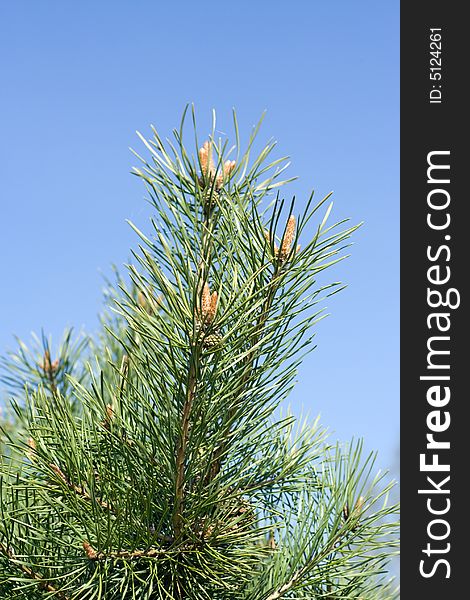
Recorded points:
435,250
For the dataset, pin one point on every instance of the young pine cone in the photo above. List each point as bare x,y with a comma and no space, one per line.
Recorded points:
212,340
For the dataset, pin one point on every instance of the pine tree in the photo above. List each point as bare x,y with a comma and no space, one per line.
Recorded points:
155,462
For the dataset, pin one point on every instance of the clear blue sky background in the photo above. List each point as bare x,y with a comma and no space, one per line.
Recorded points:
78,78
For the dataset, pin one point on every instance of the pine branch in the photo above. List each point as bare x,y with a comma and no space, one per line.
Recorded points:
201,281
287,586
82,493
94,555
281,256
181,452
41,582
172,465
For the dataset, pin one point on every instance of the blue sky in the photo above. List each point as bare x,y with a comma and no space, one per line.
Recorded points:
79,78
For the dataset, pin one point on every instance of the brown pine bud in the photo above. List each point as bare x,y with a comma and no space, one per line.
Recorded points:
90,551
209,304
147,301
207,163
110,414
289,235
270,242
271,541
209,169
282,253
205,301
141,299
46,363
355,513
49,368
59,472
213,307
31,453
227,169
359,505
229,166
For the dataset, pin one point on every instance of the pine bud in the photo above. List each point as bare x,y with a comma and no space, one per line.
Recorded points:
359,505
147,301
282,253
213,307
208,304
355,513
142,300
90,551
205,301
207,165
209,170
49,368
270,242
110,414
59,472
205,158
288,238
271,540
205,317
31,453
229,166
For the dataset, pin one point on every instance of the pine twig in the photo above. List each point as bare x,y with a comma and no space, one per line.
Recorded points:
286,587
190,395
79,490
181,452
84,495
262,318
279,593
124,554
41,582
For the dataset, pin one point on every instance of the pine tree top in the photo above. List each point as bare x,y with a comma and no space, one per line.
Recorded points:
153,462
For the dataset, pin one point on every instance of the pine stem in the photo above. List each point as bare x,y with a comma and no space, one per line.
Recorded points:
201,278
123,554
262,318
181,453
